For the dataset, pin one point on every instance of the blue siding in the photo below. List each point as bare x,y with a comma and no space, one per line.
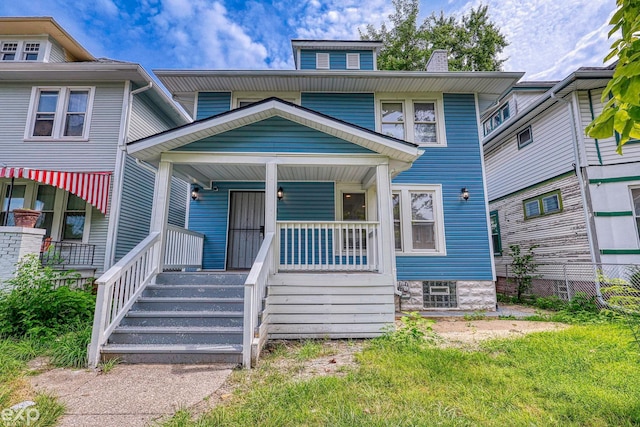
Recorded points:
274,135
337,59
306,201
212,103
456,166
356,108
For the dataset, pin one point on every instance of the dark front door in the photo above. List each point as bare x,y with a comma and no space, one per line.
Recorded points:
246,228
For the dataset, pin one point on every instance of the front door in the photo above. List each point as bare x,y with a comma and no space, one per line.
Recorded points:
246,228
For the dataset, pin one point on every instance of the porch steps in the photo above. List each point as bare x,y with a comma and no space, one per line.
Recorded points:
183,318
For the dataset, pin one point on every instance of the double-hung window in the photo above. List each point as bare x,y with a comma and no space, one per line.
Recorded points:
9,51
418,221
545,204
416,120
635,194
60,113
495,233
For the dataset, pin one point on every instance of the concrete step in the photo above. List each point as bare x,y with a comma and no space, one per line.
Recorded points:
188,304
183,318
197,291
176,335
201,278
131,353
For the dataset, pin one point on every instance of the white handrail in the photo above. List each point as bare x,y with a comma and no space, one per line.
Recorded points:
254,292
118,289
328,246
183,248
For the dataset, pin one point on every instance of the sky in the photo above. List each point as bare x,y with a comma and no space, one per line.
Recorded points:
548,39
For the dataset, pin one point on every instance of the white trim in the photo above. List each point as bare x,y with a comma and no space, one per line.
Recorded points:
407,101
484,188
195,105
60,113
289,96
47,51
635,215
324,56
151,147
405,219
353,55
196,157
339,189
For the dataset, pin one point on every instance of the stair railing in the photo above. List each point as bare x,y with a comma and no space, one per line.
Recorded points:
119,288
255,288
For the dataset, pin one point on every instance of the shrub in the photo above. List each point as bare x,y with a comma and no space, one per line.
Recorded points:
35,305
550,303
582,302
414,330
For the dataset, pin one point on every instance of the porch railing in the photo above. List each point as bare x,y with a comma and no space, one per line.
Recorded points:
119,288
254,292
183,249
328,246
63,254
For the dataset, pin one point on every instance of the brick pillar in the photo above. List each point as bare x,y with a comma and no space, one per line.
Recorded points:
15,243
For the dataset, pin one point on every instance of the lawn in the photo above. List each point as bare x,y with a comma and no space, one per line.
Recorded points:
585,375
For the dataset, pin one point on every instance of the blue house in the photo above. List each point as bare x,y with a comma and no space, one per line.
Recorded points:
323,199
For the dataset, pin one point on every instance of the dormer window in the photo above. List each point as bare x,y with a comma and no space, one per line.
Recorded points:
353,61
9,50
31,51
498,118
21,50
322,61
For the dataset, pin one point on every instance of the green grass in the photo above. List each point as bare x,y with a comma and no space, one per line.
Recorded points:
586,375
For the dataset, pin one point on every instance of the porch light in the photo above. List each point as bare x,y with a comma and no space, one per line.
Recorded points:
280,193
195,192
464,194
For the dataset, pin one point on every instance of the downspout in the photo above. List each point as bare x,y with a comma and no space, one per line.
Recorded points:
135,92
595,257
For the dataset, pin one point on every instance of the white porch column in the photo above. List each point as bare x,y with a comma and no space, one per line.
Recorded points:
385,217
271,206
160,210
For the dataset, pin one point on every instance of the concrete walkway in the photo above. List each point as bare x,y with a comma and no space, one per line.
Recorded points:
130,395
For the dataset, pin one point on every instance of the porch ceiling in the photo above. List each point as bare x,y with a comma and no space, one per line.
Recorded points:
206,173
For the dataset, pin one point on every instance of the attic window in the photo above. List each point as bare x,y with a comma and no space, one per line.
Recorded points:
322,61
9,51
31,51
353,61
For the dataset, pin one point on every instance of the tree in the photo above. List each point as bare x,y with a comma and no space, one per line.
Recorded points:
621,97
473,42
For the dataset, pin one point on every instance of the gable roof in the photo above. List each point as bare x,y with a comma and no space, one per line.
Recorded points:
150,148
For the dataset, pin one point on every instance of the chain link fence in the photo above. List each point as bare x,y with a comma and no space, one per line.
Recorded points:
612,285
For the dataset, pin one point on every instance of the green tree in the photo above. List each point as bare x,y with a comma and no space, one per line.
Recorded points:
621,97
473,42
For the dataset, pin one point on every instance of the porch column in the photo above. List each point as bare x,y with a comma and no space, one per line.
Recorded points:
160,209
385,217
271,206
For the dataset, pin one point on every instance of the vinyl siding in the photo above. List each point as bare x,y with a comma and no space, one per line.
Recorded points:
212,103
57,52
561,237
96,154
98,237
274,135
510,169
356,108
465,223
522,100
145,119
178,202
305,201
337,59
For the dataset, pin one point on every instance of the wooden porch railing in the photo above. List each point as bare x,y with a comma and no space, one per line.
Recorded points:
119,288
255,287
328,246
183,249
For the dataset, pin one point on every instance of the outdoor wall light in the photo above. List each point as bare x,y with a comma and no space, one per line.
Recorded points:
280,193
195,192
464,194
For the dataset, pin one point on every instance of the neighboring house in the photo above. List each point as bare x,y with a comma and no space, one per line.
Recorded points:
66,118
338,185
552,186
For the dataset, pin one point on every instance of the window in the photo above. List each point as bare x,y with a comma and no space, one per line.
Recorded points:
496,120
418,220
545,204
30,52
60,113
74,216
439,294
418,121
635,194
20,50
524,137
322,61
353,61
45,201
9,50
495,233
354,207
13,199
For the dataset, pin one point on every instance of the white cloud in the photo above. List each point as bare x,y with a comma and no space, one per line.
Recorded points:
201,35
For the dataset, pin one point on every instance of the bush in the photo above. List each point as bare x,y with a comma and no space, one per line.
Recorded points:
582,302
35,305
550,303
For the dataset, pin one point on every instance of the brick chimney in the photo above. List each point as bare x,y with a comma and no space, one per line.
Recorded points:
438,62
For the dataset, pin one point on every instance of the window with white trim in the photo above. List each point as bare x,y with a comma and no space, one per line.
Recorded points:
9,51
635,195
21,50
60,113
322,61
498,118
353,61
418,219
420,121
524,137
74,217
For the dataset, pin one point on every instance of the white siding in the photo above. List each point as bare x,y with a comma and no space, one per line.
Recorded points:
145,119
561,237
57,52
98,237
96,154
522,100
510,169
